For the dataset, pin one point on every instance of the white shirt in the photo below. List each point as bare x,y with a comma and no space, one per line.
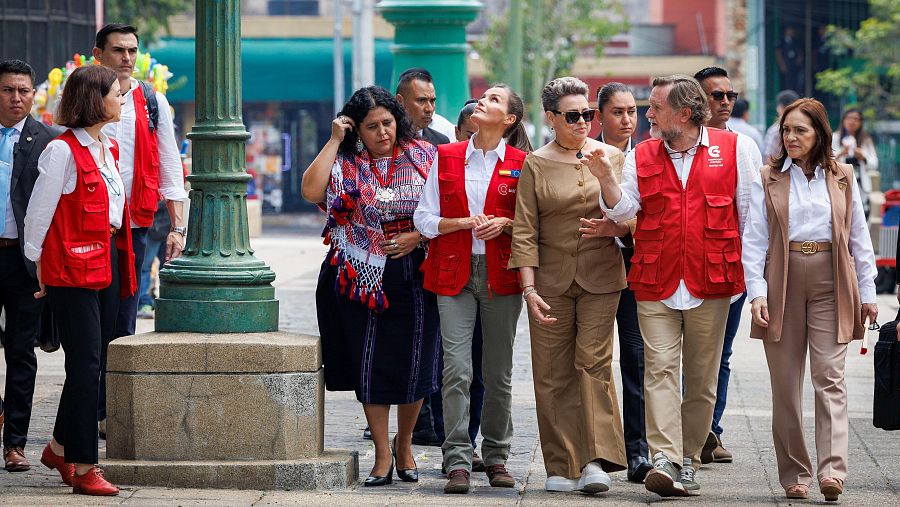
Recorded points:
171,177
9,229
748,164
479,169
444,126
809,219
57,176
738,125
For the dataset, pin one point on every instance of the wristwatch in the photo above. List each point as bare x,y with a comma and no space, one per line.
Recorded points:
179,230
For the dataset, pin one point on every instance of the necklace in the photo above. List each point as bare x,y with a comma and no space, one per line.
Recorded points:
384,193
578,155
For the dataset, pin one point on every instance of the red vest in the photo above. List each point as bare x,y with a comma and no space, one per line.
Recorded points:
691,232
145,181
447,267
76,248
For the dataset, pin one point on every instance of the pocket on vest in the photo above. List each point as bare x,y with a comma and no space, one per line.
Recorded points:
95,217
719,212
722,268
86,264
448,267
650,178
652,207
644,269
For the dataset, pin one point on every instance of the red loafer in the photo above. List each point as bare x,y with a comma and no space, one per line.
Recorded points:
93,483
54,461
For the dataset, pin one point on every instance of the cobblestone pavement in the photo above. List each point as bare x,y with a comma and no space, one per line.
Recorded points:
750,480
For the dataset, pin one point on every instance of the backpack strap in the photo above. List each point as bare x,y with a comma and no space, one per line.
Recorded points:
152,104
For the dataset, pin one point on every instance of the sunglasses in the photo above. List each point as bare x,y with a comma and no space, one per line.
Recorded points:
718,95
572,116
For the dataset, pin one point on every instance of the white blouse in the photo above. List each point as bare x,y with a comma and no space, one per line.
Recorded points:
809,219
58,176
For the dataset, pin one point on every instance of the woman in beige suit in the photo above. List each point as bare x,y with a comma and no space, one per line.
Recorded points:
810,274
571,272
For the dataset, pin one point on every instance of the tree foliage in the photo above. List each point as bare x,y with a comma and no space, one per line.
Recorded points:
873,73
149,16
555,31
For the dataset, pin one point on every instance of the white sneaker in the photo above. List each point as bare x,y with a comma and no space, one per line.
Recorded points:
559,483
593,479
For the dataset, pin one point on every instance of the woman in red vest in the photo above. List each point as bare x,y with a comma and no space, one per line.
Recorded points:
810,274
76,231
467,210
379,327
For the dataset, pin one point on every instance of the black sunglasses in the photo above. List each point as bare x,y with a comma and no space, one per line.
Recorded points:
572,116
718,95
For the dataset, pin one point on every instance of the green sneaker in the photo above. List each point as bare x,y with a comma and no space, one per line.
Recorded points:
688,479
664,479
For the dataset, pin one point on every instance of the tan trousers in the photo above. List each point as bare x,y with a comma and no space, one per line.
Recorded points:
809,324
577,411
676,425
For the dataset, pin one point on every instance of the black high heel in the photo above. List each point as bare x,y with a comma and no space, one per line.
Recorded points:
408,474
374,480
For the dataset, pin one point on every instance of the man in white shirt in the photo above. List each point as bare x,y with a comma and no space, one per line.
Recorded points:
689,188
149,164
722,100
772,140
738,123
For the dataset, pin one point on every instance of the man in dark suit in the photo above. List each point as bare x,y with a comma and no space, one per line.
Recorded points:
22,139
415,92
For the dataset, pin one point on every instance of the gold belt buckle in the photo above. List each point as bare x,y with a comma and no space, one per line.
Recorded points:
809,247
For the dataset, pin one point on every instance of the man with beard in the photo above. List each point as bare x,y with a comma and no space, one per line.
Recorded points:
686,265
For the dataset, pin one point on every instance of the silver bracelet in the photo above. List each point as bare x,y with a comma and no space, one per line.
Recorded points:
529,291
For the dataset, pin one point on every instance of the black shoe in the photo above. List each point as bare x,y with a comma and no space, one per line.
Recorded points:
367,434
638,467
406,474
426,437
374,480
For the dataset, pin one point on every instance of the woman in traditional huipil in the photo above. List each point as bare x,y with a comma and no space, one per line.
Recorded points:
379,327
810,274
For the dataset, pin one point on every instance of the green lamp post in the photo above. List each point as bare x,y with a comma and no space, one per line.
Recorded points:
217,285
432,34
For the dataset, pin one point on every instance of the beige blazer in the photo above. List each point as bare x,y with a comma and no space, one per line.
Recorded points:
777,186
551,197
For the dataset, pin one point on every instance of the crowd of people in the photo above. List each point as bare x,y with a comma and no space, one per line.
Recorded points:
435,247
76,202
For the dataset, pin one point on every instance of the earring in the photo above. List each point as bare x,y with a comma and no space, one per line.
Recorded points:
359,145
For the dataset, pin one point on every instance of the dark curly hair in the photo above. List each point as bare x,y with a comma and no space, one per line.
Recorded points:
365,100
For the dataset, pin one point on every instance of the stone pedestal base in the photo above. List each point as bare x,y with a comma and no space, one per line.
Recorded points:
196,410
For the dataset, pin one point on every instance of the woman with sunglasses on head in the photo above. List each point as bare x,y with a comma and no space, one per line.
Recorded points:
379,328
467,210
810,274
571,272
76,232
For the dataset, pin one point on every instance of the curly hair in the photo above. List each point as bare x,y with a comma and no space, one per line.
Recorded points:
366,99
559,88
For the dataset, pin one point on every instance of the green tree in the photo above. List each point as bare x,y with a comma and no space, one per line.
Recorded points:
555,32
149,16
873,72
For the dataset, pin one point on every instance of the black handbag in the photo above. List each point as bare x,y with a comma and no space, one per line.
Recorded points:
48,337
886,404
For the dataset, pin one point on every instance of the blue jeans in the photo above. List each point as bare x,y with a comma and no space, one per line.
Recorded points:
731,328
152,252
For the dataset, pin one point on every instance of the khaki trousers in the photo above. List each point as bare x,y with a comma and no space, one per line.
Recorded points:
676,425
809,324
499,315
577,412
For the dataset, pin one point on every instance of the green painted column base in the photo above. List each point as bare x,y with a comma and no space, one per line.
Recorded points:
216,309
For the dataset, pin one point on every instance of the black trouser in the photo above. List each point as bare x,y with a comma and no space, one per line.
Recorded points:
86,319
23,323
127,314
631,362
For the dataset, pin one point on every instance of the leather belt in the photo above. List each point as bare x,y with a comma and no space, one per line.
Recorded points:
808,247
397,227
113,231
6,243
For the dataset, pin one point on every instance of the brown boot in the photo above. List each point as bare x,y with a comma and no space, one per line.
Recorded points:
458,483
499,477
714,452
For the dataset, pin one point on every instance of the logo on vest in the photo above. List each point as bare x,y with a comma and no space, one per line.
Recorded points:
504,189
715,157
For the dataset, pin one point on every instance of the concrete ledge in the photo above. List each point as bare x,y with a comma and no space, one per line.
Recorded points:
334,469
273,352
